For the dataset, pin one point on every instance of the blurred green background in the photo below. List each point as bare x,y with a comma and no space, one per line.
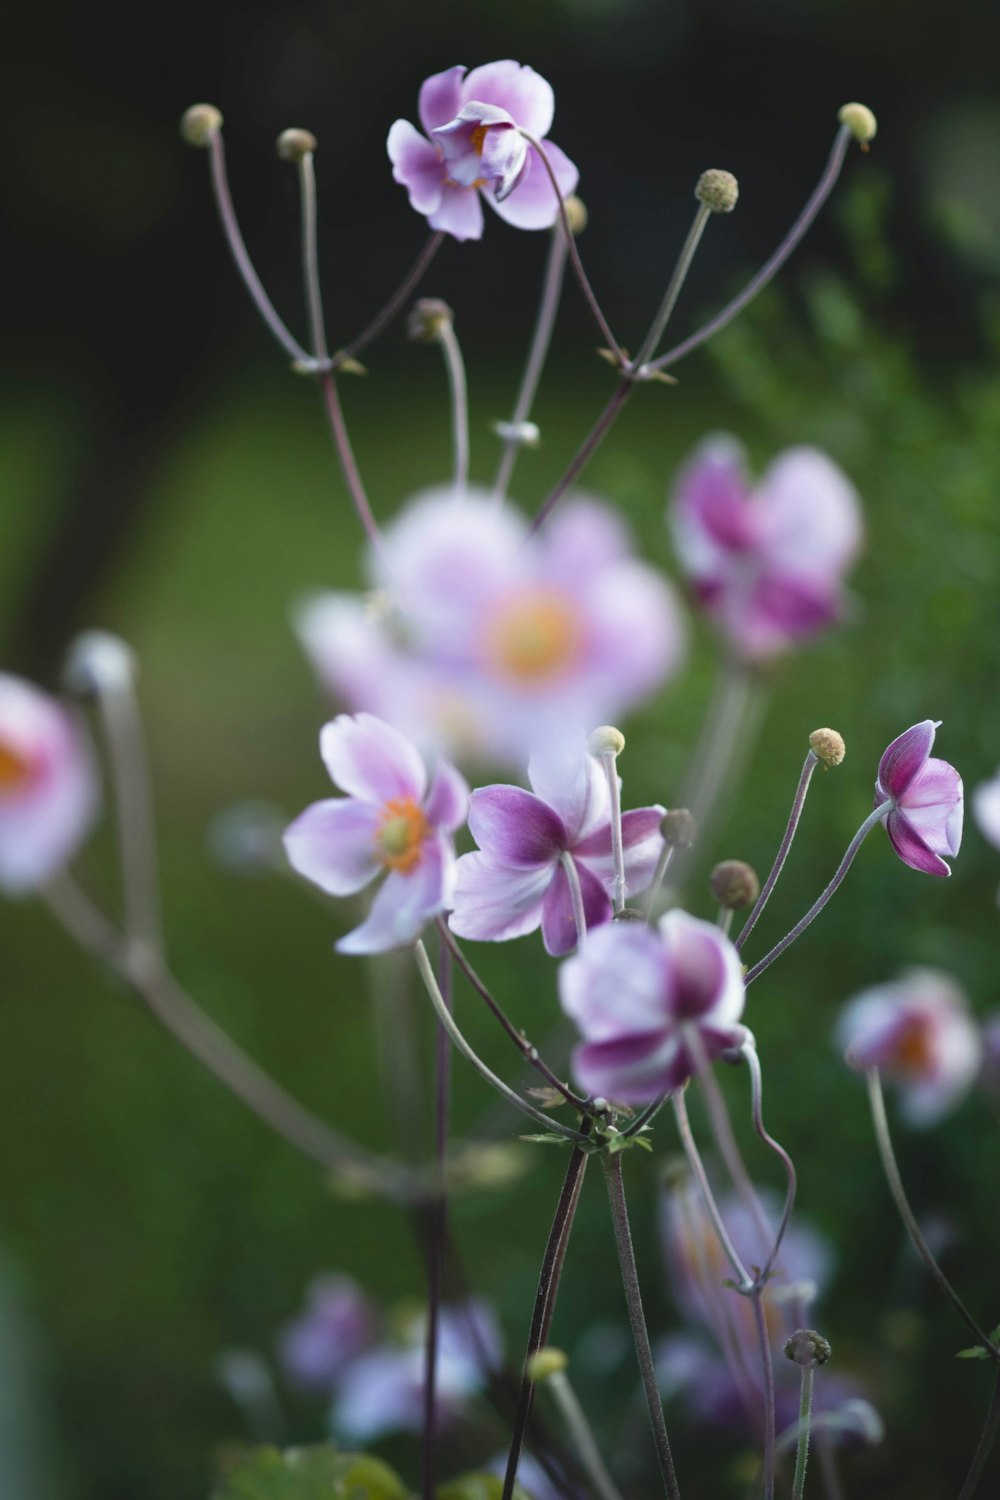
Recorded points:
162,476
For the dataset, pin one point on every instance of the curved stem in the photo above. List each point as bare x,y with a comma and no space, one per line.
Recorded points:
448,339
701,1177
798,802
584,453
985,1445
582,1435
397,301
576,897
348,463
681,269
310,257
659,874
753,1062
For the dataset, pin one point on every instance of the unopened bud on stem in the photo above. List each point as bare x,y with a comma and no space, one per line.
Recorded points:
828,747
718,190
294,144
860,122
200,123
545,1362
428,317
679,828
606,740
807,1348
734,884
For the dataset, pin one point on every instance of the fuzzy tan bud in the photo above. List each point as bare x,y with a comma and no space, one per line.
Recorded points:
606,740
828,747
294,144
200,123
427,318
576,214
807,1348
860,122
734,884
545,1362
717,190
679,828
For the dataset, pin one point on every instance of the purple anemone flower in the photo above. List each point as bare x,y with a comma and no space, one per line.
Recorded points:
389,821
924,819
48,789
765,563
633,993
517,880
473,121
920,1033
337,1325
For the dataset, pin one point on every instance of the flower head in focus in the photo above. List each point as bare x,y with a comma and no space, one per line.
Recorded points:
919,1032
638,994
517,881
924,820
484,640
473,146
48,788
338,1324
766,563
390,821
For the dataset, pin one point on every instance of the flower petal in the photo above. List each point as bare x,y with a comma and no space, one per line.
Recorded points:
619,984
711,515
559,932
523,93
532,204
447,804
492,902
933,805
369,759
333,844
910,846
708,975
570,780
440,98
632,1069
808,515
986,806
642,842
417,165
460,213
904,757
404,904
515,827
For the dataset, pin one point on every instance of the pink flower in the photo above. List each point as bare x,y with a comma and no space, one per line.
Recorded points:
474,122
388,822
633,993
924,820
517,881
337,1325
766,564
919,1032
485,640
48,789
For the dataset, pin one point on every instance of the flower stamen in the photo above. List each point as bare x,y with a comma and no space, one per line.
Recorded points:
401,832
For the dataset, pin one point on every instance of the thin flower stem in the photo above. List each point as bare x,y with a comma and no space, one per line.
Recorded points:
701,1177
455,366
524,1046
659,874
581,1435
584,453
805,1417
757,1302
574,254
576,897
609,762
811,762
895,1181
630,1280
676,282
216,1051
398,300
240,255
723,740
438,1231
875,817
545,1301
771,267
985,1445
645,1116
348,463
447,1021
749,1052
548,307
310,256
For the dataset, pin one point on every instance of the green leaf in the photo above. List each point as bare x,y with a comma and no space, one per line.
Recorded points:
976,1352
477,1487
548,1138
316,1473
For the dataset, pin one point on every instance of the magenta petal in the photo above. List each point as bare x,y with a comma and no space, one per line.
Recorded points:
440,98
533,203
527,97
904,757
910,846
558,923
515,827
371,760
460,213
642,842
417,165
633,1069
403,904
708,975
712,505
332,844
492,902
933,805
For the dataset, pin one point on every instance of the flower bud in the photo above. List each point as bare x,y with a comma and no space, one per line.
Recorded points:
859,120
199,124
427,318
678,828
717,190
807,1348
734,884
99,662
294,144
524,434
606,740
576,214
545,1362
828,747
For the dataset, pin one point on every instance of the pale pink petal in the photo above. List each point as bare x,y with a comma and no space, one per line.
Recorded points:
933,805
582,539
493,902
417,165
404,904
527,97
620,984
642,842
904,757
638,634
447,804
459,214
533,203
559,932
809,515
371,760
570,780
515,827
440,98
910,846
333,844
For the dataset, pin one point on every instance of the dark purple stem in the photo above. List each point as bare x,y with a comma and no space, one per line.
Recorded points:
342,443
585,452
768,1372
985,1445
398,299
808,768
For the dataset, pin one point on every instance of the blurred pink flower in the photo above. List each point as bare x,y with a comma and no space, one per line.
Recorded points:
389,822
925,819
337,1325
48,789
765,563
986,807
475,147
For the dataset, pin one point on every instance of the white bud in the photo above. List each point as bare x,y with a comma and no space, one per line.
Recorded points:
860,122
99,662
606,740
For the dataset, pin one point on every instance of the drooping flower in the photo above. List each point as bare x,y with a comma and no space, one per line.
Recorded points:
483,640
48,788
473,147
337,1325
924,820
517,880
919,1032
637,993
766,563
390,821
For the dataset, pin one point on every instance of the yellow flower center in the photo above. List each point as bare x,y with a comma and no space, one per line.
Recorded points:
15,771
401,831
534,637
913,1049
477,138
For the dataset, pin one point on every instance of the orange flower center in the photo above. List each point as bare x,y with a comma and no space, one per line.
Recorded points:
913,1050
534,637
477,138
15,771
401,831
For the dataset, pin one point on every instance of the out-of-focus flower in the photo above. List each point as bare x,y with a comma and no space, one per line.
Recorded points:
473,121
925,818
390,821
48,789
637,994
517,881
337,1325
382,1391
766,563
990,1035
986,807
484,640
918,1031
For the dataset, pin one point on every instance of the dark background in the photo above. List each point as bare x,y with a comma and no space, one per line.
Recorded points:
162,475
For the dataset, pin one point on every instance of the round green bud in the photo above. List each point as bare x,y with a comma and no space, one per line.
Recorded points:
828,747
807,1348
294,144
678,828
545,1362
734,884
717,190
427,318
606,740
859,120
200,123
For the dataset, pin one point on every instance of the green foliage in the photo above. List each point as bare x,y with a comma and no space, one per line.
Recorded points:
315,1473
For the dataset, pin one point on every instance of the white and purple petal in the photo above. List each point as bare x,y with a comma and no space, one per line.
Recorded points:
417,166
460,213
632,1069
566,776
492,902
903,758
524,94
808,516
933,805
371,760
642,844
333,844
515,827
619,984
533,204
405,902
910,847
559,932
440,98
447,804
708,974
